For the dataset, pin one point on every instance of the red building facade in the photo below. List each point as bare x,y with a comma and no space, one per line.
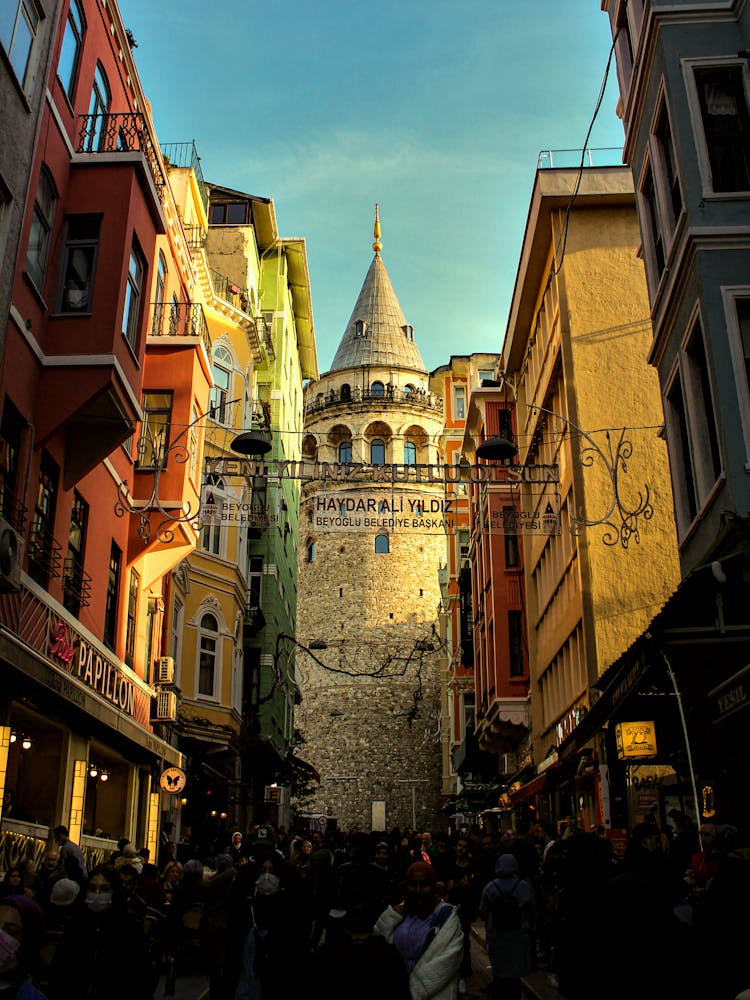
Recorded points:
105,365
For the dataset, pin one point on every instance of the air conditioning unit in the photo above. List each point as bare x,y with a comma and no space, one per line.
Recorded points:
11,556
166,707
165,670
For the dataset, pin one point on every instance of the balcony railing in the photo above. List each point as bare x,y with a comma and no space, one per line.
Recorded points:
45,553
386,397
235,294
264,333
607,156
121,133
196,237
11,508
185,155
76,586
180,319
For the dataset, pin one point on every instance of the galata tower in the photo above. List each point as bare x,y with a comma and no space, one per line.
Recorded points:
372,541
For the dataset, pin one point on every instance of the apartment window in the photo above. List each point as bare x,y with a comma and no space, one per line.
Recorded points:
178,624
410,453
208,643
78,263
160,291
41,226
701,409
345,452
132,307
255,582
485,376
459,402
222,376
382,545
70,53
155,430
11,431
43,549
18,26
73,577
510,538
726,126
623,48
211,538
668,165
101,98
113,594
653,230
377,452
515,643
229,213
134,588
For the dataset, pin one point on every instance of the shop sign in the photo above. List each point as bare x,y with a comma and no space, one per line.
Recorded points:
172,780
80,659
635,739
731,696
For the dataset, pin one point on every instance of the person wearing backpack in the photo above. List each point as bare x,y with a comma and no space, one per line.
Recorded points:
507,909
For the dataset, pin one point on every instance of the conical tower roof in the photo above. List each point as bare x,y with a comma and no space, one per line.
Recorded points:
377,332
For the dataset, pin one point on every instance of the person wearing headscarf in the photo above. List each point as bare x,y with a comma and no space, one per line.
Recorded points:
427,934
235,850
21,935
506,907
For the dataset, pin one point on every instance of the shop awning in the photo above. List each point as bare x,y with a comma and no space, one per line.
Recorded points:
529,790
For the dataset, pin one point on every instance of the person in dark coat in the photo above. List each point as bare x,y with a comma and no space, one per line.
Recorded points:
102,954
508,927
21,935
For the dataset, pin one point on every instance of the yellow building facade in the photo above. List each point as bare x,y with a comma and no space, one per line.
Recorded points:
587,402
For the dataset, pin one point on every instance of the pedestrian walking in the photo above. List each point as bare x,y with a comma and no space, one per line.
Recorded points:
507,909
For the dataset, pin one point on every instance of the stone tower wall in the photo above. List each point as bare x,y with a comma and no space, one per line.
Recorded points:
370,712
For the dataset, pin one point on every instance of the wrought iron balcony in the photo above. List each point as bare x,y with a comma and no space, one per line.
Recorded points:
11,508
254,621
181,155
121,133
385,397
180,319
235,294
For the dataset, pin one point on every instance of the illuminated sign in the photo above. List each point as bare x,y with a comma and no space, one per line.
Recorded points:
84,661
172,780
635,739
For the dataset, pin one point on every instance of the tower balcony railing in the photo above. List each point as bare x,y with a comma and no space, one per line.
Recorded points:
180,319
121,133
388,396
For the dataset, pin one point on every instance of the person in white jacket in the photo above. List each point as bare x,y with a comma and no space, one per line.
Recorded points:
427,934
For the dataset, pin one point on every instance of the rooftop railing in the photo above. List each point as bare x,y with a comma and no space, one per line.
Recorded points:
184,155
121,133
607,156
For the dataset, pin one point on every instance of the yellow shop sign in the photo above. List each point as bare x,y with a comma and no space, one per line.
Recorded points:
635,739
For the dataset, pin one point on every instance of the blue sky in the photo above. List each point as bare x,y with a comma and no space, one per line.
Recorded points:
436,109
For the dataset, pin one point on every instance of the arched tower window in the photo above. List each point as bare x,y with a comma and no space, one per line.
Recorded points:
346,392
377,390
382,545
345,452
410,453
377,452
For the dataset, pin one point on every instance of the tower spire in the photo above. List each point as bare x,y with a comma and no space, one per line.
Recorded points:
377,245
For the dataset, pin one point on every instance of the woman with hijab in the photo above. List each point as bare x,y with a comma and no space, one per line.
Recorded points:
235,850
427,934
506,907
12,884
21,933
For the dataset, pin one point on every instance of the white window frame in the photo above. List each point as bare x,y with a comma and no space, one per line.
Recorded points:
730,295
701,146
215,532
459,393
178,629
224,362
217,636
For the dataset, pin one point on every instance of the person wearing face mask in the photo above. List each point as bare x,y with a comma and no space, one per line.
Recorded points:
102,954
21,932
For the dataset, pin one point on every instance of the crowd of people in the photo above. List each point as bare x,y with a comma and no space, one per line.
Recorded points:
281,916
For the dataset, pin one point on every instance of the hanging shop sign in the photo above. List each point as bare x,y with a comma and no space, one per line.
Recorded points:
172,780
732,696
635,739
